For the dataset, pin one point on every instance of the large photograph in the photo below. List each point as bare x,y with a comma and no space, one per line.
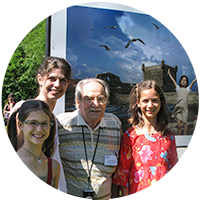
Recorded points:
124,48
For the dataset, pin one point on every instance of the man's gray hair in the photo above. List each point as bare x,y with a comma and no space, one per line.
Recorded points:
79,87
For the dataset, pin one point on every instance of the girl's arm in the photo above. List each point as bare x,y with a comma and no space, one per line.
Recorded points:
11,106
172,78
4,109
12,175
56,173
191,84
124,190
173,184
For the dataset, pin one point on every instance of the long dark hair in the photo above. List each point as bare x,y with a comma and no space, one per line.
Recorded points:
22,113
181,79
135,112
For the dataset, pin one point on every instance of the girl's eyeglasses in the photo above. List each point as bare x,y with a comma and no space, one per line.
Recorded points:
35,124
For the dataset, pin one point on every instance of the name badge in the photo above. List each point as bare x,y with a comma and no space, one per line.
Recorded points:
111,160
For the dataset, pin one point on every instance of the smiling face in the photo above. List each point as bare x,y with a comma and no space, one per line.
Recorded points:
92,111
149,104
53,85
35,135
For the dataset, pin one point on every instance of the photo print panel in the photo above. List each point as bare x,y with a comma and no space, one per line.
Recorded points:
124,48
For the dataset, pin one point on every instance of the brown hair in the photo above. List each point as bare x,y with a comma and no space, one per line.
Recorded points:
23,112
135,112
51,63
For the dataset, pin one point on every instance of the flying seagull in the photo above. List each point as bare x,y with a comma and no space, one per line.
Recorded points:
133,40
157,27
113,27
107,48
195,38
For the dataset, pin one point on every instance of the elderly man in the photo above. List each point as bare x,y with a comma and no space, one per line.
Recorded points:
89,142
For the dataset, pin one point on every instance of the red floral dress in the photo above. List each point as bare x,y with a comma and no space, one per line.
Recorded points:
144,159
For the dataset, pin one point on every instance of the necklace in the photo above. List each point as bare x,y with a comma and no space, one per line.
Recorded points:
38,158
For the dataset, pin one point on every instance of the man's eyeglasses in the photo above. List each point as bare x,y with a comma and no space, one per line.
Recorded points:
35,124
101,99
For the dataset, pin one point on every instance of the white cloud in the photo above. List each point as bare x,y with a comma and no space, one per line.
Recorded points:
126,24
185,69
71,57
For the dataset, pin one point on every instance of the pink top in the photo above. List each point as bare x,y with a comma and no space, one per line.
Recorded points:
144,158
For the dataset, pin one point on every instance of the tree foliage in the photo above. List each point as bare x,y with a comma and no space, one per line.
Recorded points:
20,76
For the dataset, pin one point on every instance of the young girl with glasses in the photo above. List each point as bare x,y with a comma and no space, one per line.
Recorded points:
148,148
37,125
53,78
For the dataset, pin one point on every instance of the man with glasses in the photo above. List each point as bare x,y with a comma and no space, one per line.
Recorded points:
89,142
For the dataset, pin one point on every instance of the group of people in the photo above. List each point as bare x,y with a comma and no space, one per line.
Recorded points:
84,152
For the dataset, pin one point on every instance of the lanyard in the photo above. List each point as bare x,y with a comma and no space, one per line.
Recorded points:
90,169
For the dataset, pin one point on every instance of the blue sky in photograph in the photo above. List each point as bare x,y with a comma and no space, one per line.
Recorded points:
88,28
9,7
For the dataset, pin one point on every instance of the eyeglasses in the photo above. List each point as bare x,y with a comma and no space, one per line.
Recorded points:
35,124
101,99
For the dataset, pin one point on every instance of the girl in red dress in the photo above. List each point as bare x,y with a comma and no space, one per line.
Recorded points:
148,148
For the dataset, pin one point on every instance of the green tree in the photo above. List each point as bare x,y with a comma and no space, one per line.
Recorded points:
32,33
20,76
12,56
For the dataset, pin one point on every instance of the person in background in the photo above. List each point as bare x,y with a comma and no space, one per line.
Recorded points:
8,107
37,123
89,142
180,111
148,148
53,77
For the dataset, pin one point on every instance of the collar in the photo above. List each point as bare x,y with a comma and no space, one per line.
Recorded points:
81,122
